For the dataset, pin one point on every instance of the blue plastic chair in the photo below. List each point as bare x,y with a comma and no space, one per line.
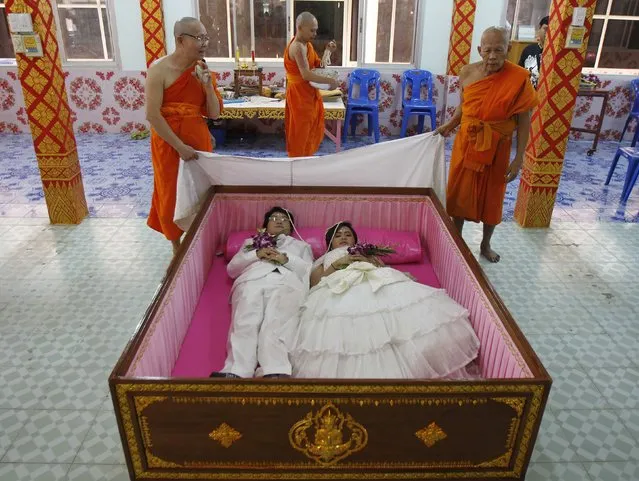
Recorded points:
416,105
634,114
632,154
363,104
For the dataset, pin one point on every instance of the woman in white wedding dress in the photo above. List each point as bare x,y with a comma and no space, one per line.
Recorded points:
365,320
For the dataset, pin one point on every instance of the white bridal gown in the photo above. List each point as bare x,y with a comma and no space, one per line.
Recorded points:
375,322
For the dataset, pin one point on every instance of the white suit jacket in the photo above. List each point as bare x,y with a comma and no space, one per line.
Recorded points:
246,266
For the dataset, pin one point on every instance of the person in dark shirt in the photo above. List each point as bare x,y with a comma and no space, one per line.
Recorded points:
531,56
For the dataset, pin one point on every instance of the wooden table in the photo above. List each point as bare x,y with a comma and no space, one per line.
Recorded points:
604,94
247,72
265,108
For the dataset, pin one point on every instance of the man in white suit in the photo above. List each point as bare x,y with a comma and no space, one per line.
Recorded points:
270,286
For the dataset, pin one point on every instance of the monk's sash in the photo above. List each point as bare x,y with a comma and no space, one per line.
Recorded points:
484,139
180,110
294,79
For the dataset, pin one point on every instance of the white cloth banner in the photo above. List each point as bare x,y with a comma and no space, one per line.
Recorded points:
416,161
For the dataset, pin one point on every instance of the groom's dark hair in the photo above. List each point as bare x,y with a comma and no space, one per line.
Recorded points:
274,210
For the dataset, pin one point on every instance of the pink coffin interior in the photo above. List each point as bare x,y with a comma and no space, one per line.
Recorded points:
187,337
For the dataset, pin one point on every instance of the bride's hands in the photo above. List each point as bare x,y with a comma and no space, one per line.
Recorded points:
348,260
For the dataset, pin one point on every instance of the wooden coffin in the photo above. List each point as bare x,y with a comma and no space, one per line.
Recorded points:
176,427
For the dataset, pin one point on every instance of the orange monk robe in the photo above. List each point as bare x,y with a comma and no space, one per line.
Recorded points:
304,115
183,107
481,152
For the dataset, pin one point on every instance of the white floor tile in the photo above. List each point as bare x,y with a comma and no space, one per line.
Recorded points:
97,472
619,385
33,472
50,437
620,471
573,389
556,472
11,422
596,436
71,296
102,444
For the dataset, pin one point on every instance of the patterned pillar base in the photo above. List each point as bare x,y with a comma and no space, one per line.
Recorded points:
63,188
461,35
551,120
45,99
153,27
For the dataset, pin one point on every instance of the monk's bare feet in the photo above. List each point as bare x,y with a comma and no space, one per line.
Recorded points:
488,253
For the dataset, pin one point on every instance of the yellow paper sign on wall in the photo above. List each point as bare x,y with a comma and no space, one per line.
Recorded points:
32,45
575,37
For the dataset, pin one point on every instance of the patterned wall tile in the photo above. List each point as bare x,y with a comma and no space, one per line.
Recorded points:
113,101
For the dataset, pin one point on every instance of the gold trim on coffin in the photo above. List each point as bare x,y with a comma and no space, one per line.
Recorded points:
258,401
328,445
225,435
431,434
125,391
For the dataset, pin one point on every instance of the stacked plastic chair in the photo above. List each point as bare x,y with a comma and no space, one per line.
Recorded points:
363,81
632,154
634,114
415,104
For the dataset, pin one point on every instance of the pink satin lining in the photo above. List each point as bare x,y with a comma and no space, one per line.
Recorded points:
158,354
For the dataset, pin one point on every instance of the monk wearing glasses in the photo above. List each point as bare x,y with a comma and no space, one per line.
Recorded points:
181,93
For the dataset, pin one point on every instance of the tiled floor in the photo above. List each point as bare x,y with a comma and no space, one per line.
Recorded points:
118,177
71,296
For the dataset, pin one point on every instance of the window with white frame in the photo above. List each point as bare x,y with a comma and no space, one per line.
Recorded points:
523,17
614,38
85,30
370,32
6,46
391,38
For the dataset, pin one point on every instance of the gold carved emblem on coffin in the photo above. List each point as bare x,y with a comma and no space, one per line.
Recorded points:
225,435
328,436
431,434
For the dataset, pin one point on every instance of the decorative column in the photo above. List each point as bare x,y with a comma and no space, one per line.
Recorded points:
45,99
153,27
461,35
551,120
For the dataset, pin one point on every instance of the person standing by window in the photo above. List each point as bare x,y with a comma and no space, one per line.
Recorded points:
531,56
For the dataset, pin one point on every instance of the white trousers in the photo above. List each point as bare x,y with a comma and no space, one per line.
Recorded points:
261,311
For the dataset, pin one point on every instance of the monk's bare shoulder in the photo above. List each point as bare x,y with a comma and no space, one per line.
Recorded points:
158,70
469,73
297,47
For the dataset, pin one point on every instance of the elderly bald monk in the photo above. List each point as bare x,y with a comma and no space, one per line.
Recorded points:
496,99
304,115
180,93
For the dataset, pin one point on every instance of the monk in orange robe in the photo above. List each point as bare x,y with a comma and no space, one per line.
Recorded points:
497,98
180,93
304,114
